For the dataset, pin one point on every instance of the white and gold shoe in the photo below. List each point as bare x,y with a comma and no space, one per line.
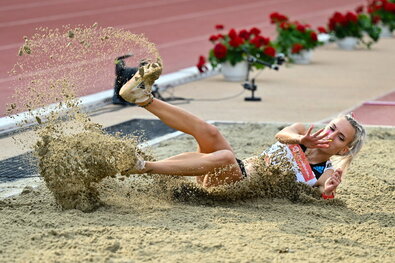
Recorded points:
137,168
138,88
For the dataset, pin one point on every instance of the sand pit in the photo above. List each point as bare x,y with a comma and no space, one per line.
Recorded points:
137,223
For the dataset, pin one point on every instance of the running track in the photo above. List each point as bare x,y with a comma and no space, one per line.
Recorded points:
180,28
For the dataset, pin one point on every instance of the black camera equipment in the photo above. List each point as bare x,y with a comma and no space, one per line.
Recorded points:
122,75
250,84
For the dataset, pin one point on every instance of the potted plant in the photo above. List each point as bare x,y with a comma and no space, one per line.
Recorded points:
231,50
294,39
383,12
348,29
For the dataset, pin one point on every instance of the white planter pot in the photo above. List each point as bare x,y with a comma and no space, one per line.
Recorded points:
303,57
347,43
385,31
237,72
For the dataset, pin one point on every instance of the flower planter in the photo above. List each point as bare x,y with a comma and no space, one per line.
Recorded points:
347,43
385,31
303,57
237,72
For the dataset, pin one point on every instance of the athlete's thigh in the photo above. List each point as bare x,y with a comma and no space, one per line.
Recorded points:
226,175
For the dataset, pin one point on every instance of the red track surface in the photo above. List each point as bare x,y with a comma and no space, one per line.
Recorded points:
377,112
180,28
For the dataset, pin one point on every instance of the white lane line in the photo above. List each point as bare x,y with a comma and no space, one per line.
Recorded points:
13,188
379,103
355,107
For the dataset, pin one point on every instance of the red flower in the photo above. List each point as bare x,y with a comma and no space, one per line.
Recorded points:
284,25
201,65
301,28
237,41
376,19
259,41
270,51
273,17
244,34
265,40
282,18
390,7
219,27
256,42
255,31
339,18
232,33
276,17
351,17
322,30
220,51
313,36
296,48
379,3
359,9
336,20
220,36
213,38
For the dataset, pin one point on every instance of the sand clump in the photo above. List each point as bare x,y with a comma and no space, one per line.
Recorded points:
72,164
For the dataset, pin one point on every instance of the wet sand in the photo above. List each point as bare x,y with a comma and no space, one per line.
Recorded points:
137,223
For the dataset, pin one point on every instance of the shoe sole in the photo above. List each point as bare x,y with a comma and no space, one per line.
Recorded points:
146,75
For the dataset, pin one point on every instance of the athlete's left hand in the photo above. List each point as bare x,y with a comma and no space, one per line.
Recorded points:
333,182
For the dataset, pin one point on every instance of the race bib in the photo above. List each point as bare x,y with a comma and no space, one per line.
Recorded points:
302,162
294,154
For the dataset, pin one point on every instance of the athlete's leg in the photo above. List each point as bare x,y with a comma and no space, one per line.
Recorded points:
215,168
209,139
207,136
138,90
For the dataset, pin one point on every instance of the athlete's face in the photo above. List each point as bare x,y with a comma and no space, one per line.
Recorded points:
342,133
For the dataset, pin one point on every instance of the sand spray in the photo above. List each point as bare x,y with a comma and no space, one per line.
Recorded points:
54,67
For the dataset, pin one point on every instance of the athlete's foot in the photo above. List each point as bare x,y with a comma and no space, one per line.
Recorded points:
138,89
138,168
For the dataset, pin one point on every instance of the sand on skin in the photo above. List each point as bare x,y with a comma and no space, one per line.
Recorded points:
140,225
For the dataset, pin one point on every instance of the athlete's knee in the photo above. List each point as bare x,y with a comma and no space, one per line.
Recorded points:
224,157
210,131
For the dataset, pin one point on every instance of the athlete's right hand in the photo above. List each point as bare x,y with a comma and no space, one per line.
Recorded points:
333,182
315,140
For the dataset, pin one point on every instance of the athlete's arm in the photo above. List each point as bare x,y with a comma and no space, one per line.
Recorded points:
297,134
291,134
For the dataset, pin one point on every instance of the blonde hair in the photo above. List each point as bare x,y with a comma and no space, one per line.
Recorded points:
344,161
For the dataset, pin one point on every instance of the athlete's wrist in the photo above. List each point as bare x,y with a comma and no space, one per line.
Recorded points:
327,196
